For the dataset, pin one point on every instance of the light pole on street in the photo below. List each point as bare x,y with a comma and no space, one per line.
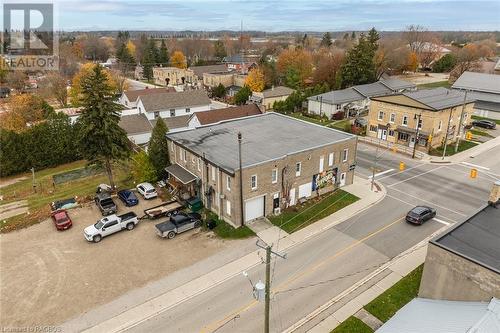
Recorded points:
460,124
417,130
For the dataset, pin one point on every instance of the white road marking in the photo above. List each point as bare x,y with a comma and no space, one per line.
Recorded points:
475,166
420,174
397,173
413,205
441,221
381,173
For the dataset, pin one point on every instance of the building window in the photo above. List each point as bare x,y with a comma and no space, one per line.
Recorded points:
172,147
172,112
321,164
420,121
373,128
402,136
157,114
338,107
440,125
330,159
188,110
253,182
228,183
199,164
381,115
213,173
405,120
345,153
274,176
228,207
184,155
391,132
392,119
298,168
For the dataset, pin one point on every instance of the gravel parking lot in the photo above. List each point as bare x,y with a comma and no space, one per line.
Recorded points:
48,276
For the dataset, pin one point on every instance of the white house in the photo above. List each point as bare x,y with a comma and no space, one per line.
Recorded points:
173,104
129,98
138,128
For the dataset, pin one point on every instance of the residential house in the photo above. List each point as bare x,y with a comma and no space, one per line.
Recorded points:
356,99
284,160
137,127
173,76
265,99
173,104
129,98
399,118
199,119
200,70
174,124
72,113
241,63
213,79
485,89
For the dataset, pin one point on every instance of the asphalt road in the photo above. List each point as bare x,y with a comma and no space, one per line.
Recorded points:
324,266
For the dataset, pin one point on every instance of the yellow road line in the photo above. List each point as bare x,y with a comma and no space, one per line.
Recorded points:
215,325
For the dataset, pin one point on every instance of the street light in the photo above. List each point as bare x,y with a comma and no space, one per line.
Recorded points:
419,116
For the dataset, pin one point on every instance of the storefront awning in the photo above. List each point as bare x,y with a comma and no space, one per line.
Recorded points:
411,131
181,174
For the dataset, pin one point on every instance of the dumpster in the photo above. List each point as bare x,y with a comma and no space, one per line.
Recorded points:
194,204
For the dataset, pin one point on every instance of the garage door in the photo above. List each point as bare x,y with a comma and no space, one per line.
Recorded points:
254,208
305,190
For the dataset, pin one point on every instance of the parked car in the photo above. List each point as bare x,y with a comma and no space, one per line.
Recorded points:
109,225
165,209
484,124
360,122
61,219
105,204
420,214
63,204
147,190
128,198
177,224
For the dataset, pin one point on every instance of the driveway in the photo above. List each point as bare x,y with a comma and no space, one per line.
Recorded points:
49,276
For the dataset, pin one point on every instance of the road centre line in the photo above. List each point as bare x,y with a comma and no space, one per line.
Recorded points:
420,174
381,173
475,166
413,205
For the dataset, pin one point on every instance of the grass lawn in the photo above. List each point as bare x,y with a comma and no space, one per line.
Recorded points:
481,133
352,325
314,209
314,120
226,231
450,148
484,118
46,192
394,298
341,125
431,85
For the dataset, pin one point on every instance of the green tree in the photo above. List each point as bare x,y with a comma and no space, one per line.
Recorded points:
158,148
353,35
125,59
142,168
326,41
359,66
163,56
373,38
150,58
292,78
101,140
219,50
242,96
219,91
445,64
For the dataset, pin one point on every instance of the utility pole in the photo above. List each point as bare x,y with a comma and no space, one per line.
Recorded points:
446,136
416,134
33,183
242,217
460,123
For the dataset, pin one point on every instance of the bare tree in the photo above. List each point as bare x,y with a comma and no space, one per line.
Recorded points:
16,80
430,51
467,60
54,85
415,36
121,81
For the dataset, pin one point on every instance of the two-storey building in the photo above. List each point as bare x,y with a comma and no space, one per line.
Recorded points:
277,162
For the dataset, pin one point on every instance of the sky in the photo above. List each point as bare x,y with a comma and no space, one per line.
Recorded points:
274,15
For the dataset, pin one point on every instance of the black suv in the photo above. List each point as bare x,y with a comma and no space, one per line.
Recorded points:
484,124
420,214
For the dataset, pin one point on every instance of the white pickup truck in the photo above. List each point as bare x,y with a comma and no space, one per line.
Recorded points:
109,225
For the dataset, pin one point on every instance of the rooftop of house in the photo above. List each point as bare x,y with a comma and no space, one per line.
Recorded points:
174,123
266,137
238,58
428,99
277,92
133,94
476,239
215,116
161,102
423,315
135,124
489,83
199,70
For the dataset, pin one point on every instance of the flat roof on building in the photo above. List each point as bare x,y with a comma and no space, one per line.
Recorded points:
476,239
478,82
266,137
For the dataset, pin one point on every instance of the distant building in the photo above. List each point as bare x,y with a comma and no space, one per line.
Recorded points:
485,89
241,63
129,98
173,76
214,116
266,98
200,70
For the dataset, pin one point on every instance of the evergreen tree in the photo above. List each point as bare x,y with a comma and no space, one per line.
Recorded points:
163,56
219,50
373,38
359,66
158,148
100,138
125,59
219,91
242,95
326,41
353,35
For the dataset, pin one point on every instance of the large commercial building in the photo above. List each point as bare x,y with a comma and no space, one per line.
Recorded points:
283,160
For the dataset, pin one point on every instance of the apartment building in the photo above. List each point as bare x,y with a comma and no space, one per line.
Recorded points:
173,76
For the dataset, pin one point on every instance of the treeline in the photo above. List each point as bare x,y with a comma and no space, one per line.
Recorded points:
46,144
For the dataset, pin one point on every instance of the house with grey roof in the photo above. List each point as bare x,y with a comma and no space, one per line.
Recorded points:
356,99
129,97
283,161
137,127
266,98
173,104
485,89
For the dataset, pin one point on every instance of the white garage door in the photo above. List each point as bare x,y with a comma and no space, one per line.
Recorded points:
305,190
254,208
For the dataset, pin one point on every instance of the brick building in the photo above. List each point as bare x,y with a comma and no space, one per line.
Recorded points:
283,160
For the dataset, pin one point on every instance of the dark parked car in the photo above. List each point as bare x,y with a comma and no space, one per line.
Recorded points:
484,124
177,224
128,197
105,204
420,214
61,219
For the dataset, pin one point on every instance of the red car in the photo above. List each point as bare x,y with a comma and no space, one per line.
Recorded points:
61,219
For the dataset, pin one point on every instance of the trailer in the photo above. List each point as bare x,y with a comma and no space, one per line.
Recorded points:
165,209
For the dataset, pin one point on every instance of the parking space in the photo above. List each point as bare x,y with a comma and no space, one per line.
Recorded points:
54,275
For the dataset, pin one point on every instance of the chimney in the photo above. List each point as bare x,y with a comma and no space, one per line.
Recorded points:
494,194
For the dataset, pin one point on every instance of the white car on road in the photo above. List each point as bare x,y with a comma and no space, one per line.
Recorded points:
147,190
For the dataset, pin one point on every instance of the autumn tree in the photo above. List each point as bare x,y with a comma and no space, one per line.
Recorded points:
24,109
76,84
412,63
142,170
54,85
16,79
326,41
219,50
297,62
100,138
328,68
131,48
255,79
467,60
95,49
178,60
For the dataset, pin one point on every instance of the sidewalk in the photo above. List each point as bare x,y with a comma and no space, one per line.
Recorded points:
129,316
466,154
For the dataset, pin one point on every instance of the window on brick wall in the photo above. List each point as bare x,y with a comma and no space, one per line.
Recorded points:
228,207
330,159
298,169
228,183
345,154
214,171
274,176
253,182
